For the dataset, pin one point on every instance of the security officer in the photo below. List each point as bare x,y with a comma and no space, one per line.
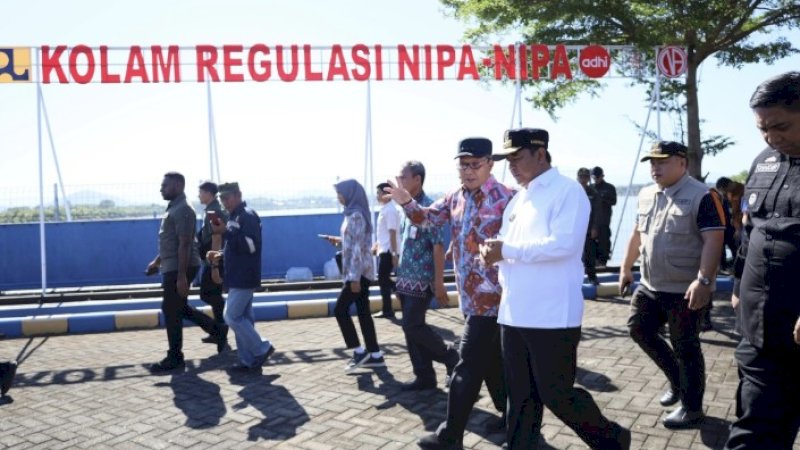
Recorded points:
589,257
765,273
679,234
606,199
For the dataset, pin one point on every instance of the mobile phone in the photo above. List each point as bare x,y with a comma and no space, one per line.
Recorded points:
213,217
323,236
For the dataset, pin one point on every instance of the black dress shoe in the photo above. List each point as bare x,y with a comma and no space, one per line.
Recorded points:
495,425
383,315
417,385
669,398
682,418
167,364
221,339
242,368
7,372
432,442
210,339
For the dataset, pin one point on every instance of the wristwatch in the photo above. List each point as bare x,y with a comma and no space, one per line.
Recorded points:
705,281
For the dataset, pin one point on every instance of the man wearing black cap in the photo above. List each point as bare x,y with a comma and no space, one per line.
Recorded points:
606,199
590,247
474,212
679,234
538,252
242,256
766,271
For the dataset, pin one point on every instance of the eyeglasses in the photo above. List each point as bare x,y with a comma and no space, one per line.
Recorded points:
473,165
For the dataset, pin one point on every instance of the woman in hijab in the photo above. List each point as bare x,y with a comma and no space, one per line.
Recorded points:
358,273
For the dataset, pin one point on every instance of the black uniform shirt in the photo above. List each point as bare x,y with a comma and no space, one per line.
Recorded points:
767,268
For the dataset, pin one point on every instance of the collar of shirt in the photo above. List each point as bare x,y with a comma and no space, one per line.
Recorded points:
669,191
212,204
181,198
482,191
544,179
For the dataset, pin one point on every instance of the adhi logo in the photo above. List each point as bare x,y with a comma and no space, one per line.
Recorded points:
594,61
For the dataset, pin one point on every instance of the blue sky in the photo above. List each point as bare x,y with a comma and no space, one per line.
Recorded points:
298,137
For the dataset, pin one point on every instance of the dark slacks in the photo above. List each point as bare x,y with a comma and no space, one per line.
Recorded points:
480,361
424,345
683,363
768,412
540,369
211,293
603,243
176,308
342,313
385,281
589,258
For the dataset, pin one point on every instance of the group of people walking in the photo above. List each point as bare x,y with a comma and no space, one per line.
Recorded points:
519,260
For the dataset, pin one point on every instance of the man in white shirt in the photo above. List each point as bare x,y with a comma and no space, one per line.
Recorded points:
386,249
538,252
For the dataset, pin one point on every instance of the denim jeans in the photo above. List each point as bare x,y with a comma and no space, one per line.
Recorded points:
239,316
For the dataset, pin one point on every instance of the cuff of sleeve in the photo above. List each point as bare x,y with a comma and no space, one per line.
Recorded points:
510,251
410,205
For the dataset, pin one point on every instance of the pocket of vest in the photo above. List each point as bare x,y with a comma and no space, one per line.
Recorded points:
678,224
642,223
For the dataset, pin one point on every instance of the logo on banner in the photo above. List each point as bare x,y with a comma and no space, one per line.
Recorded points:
672,61
15,65
594,61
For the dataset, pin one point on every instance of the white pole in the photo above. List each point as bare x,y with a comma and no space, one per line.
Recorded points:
42,247
633,172
368,167
519,83
211,134
67,206
658,98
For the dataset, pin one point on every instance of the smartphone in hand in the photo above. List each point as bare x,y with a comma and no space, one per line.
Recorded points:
213,217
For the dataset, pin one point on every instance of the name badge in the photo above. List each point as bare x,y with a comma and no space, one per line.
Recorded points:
412,232
767,167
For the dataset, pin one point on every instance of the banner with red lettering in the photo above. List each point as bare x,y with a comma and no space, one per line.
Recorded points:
82,64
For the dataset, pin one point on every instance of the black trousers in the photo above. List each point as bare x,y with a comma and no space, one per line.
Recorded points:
385,282
603,243
540,369
682,363
480,361
342,313
424,345
176,308
590,258
211,293
768,412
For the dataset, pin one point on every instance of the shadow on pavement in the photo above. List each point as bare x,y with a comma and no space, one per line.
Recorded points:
282,413
594,381
198,399
714,432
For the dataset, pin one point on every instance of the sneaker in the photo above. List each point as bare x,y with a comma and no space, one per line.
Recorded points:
357,361
261,360
374,362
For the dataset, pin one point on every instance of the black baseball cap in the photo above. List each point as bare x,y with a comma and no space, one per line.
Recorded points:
665,149
477,147
516,139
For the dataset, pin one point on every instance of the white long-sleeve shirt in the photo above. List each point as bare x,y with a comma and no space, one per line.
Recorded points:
543,232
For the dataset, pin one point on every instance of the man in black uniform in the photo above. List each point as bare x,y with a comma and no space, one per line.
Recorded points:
590,246
211,292
766,269
606,198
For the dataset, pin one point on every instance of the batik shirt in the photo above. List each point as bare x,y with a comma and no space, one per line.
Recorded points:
474,217
356,249
416,270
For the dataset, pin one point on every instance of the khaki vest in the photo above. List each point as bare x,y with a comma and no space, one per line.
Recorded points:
671,243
